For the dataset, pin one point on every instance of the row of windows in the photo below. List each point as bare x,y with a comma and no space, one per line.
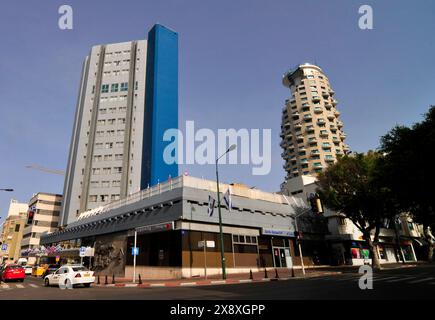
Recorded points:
116,72
113,98
108,170
110,133
108,157
104,197
112,110
117,62
244,239
103,122
109,145
114,53
105,184
114,87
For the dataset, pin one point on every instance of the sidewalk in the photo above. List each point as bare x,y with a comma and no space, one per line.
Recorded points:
272,275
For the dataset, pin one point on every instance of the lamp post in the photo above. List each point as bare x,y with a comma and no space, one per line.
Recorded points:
224,276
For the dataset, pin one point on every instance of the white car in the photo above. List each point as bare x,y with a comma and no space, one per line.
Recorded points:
70,275
28,269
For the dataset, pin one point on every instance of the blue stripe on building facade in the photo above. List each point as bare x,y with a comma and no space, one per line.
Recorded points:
161,104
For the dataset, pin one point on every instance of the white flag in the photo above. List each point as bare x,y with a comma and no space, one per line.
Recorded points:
227,200
211,203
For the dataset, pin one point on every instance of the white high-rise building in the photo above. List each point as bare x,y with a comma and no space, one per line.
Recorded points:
311,131
105,157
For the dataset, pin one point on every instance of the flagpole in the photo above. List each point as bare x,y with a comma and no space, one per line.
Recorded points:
224,275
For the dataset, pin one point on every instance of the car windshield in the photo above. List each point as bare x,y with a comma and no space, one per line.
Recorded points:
76,269
14,267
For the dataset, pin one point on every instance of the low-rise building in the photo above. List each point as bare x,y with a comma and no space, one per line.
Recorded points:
171,221
12,231
345,240
42,217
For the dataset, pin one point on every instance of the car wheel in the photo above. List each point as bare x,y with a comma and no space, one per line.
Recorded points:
22,280
68,284
87,285
47,282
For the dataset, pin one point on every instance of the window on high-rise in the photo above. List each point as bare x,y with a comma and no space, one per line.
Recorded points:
124,86
115,87
105,88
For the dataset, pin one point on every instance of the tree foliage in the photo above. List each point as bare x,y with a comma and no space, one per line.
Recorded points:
408,167
354,186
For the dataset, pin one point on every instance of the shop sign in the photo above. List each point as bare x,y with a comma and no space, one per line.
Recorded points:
135,251
209,244
82,251
86,252
4,247
156,227
277,232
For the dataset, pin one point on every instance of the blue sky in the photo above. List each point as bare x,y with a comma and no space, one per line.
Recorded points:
232,57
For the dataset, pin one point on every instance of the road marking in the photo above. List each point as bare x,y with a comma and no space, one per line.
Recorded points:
400,279
218,282
421,280
20,286
5,286
131,285
157,285
33,285
383,279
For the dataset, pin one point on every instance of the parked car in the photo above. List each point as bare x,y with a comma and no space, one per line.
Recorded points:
28,270
12,272
70,275
51,269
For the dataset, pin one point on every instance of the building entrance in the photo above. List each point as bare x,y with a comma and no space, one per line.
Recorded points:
282,257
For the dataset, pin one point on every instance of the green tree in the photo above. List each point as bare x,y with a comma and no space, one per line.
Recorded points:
354,187
409,172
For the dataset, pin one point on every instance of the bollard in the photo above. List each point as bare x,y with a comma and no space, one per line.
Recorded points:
293,272
113,278
105,281
98,279
276,273
140,280
265,273
250,275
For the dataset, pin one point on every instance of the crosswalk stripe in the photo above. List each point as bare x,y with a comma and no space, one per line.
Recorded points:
5,286
422,280
20,286
33,285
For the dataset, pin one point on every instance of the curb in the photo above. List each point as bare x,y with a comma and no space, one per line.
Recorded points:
207,282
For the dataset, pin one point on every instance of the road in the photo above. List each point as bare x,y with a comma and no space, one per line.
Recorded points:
406,283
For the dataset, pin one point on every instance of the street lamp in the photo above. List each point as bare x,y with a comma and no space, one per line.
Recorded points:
231,148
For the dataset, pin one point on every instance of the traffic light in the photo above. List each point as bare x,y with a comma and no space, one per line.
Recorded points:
30,215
